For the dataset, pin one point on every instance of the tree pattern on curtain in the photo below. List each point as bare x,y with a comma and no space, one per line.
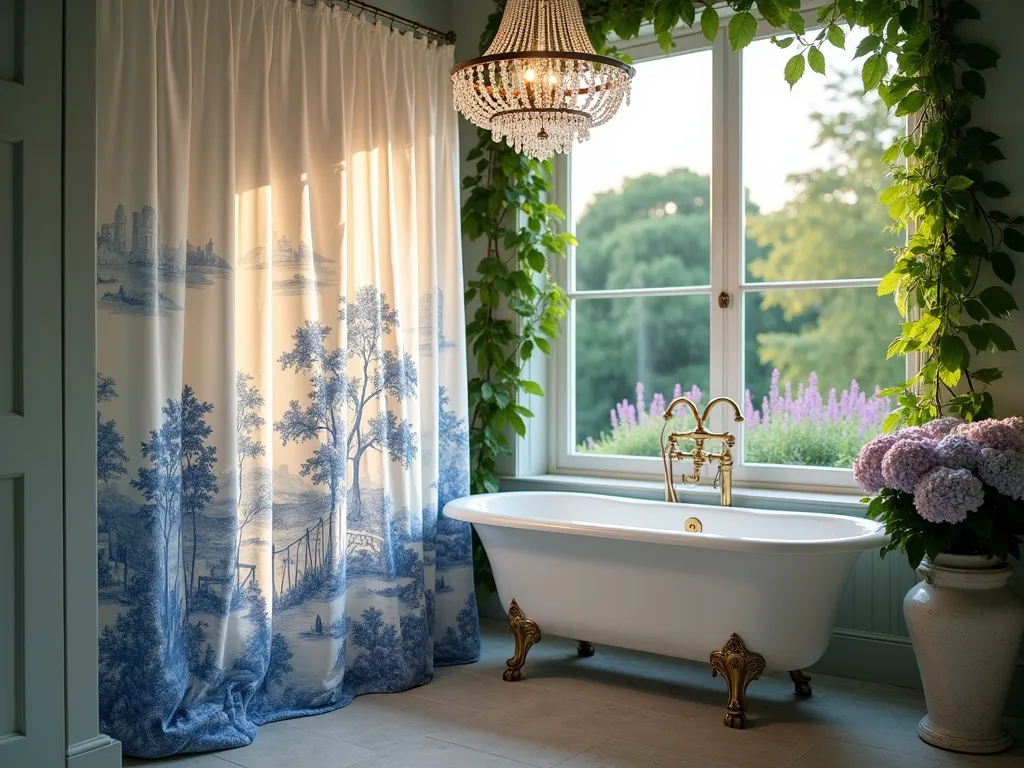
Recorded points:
270,537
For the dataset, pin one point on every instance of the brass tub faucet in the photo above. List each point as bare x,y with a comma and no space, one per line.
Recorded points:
671,451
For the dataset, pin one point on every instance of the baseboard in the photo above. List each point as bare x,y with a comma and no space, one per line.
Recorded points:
99,752
889,659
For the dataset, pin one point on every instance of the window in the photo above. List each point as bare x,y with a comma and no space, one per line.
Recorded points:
730,243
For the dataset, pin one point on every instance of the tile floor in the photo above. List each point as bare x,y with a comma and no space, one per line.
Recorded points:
615,710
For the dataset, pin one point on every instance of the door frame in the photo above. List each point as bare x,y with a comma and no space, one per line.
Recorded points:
86,747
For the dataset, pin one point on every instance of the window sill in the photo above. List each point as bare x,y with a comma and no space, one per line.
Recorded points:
755,498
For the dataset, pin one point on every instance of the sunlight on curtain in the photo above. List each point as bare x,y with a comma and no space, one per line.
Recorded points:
281,374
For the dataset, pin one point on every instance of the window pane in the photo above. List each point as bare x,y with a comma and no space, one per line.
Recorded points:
813,361
632,355
640,188
812,169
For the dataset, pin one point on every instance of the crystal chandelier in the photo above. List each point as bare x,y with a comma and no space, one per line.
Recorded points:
541,86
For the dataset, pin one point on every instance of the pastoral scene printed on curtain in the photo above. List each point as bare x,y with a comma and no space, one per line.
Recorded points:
281,383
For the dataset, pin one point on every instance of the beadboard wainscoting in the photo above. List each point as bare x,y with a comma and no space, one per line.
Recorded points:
870,641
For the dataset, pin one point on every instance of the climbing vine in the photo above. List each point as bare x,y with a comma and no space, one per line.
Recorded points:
918,60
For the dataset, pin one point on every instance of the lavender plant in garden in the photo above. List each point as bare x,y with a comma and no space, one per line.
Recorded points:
804,427
949,486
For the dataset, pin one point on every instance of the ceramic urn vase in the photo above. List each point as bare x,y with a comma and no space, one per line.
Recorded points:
966,625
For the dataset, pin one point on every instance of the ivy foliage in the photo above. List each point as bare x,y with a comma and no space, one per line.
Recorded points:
917,58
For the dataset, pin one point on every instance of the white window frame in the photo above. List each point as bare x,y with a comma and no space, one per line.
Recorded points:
726,373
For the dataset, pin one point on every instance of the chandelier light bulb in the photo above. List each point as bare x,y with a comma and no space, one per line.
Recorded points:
541,41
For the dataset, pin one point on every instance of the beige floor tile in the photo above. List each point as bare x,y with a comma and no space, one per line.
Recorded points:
840,754
181,761
698,740
474,691
381,722
614,753
278,745
426,752
531,730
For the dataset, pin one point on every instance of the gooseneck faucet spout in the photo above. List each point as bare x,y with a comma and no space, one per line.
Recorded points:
699,435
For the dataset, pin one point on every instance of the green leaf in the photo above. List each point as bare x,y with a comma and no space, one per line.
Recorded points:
995,189
667,15
957,183
1003,267
987,375
742,28
487,390
784,42
979,56
912,102
1014,239
868,45
973,82
889,283
976,310
998,301
875,68
532,388
908,18
978,337
1000,338
796,23
961,9
709,22
836,36
771,12
816,60
665,40
953,353
914,547
795,69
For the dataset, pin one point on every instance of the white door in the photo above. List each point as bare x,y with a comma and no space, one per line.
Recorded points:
31,493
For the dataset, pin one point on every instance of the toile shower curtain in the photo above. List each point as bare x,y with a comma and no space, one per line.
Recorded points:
281,383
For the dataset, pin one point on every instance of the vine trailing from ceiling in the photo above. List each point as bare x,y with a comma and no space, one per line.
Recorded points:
916,57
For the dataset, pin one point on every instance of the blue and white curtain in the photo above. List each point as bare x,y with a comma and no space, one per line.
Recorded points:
281,382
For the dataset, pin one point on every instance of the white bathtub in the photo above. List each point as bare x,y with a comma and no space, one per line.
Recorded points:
626,573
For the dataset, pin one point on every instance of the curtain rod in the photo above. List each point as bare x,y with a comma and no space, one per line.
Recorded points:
357,7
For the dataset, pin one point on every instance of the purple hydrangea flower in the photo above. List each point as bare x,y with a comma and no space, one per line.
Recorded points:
945,495
958,452
906,461
991,433
939,428
867,468
1003,471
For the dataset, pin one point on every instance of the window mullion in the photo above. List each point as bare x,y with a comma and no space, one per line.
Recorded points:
726,230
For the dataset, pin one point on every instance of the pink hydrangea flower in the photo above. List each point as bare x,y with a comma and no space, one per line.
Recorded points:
1003,471
939,428
991,433
945,495
906,461
867,468
914,433
1016,422
958,452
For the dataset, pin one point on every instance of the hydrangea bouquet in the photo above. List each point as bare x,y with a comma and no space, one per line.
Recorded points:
948,486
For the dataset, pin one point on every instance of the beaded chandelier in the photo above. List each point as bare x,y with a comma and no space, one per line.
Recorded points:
541,86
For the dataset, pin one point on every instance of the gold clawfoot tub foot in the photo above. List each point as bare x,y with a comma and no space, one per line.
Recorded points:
739,667
802,681
526,633
584,649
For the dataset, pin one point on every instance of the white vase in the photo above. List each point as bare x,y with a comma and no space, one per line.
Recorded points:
966,626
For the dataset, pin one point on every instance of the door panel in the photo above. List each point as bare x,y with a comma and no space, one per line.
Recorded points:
31,439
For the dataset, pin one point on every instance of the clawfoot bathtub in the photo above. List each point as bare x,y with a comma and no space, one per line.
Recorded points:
743,588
